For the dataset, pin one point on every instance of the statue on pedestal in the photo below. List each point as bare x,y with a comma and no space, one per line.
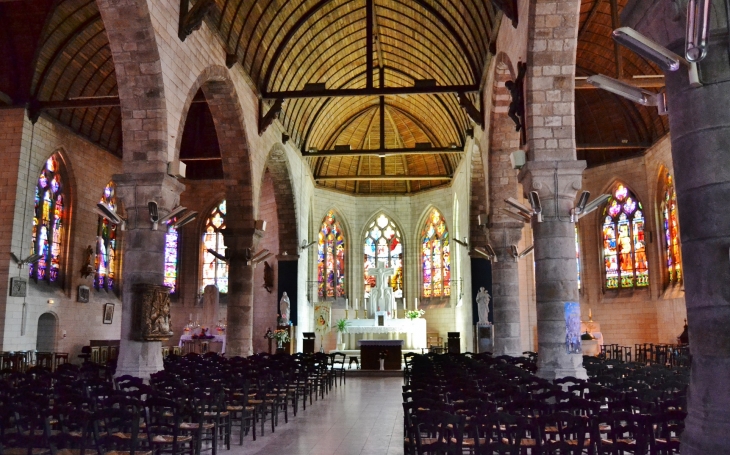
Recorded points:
284,307
482,299
381,297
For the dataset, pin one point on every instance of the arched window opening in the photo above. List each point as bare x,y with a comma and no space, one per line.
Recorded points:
48,222
671,230
171,256
331,258
435,257
383,243
106,242
215,271
624,246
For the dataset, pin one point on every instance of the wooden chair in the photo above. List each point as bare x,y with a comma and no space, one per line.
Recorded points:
44,359
59,359
438,432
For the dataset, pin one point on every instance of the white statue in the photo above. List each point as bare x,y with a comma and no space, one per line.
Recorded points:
284,307
379,300
483,305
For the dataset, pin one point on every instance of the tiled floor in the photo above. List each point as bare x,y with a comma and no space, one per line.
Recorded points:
363,417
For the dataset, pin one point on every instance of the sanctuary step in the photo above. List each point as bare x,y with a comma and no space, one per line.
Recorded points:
350,353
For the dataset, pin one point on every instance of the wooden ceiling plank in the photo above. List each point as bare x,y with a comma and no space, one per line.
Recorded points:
381,178
591,15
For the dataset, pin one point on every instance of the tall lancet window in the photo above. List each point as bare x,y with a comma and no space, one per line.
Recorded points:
215,270
671,230
383,243
331,258
436,257
171,252
624,247
106,242
48,222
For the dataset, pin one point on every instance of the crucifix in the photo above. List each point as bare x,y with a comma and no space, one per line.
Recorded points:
381,297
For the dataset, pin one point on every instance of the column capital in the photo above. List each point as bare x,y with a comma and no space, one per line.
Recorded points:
554,180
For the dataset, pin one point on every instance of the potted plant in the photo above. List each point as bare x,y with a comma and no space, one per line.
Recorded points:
281,336
341,327
414,314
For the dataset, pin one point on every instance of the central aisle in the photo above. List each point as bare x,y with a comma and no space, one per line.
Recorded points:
362,417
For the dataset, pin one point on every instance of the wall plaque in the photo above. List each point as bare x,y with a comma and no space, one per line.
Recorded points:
18,287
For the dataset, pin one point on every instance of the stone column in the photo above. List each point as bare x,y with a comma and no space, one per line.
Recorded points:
143,259
700,130
241,245
556,278
506,289
552,171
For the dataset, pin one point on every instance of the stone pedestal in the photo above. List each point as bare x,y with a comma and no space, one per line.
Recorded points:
143,259
556,282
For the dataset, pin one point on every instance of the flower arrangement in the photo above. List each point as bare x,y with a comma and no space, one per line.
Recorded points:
280,335
414,314
342,325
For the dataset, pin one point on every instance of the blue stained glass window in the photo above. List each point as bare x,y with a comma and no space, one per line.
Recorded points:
48,222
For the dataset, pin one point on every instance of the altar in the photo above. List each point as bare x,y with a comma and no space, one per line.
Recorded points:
216,339
412,332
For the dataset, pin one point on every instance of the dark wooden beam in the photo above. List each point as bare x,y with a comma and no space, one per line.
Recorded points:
203,158
191,19
379,152
637,81
385,91
265,121
75,103
591,15
593,147
616,23
382,177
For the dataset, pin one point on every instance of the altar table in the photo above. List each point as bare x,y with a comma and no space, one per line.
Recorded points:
215,339
370,351
414,330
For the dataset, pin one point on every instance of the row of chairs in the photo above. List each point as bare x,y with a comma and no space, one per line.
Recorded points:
20,361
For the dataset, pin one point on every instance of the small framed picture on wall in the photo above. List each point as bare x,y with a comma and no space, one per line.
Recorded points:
108,313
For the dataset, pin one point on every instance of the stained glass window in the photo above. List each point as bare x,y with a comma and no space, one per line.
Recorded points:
624,247
215,271
671,230
48,222
577,254
171,251
383,243
435,257
106,242
331,258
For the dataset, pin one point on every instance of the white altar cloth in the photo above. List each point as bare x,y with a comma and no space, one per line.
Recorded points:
415,329
215,339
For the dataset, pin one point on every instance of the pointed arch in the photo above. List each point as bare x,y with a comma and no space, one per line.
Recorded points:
435,256
383,241
51,219
214,269
278,167
624,246
332,250
670,228
106,243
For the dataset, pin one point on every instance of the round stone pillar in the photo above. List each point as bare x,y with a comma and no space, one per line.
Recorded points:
506,289
556,277
241,245
143,259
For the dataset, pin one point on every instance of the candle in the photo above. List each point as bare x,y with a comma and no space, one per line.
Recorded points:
404,305
347,304
416,304
357,305
190,318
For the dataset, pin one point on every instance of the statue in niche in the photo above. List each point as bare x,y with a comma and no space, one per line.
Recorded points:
285,308
483,305
268,277
87,269
517,92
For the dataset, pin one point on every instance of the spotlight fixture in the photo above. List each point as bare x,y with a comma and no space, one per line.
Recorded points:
519,216
217,255
628,91
525,213
306,245
584,207
183,220
154,214
487,252
698,30
106,212
173,213
534,199
463,243
32,259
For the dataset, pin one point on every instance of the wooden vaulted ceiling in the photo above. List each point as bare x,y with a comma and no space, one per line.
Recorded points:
284,45
58,51
614,128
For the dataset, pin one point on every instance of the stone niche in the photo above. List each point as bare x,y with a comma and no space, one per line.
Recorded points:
151,312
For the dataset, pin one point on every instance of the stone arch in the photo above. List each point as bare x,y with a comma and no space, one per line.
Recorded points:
140,84
394,218
278,167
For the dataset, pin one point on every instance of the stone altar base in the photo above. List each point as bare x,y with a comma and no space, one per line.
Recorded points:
413,333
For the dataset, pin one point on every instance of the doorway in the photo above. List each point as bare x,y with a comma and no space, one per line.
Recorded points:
46,339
